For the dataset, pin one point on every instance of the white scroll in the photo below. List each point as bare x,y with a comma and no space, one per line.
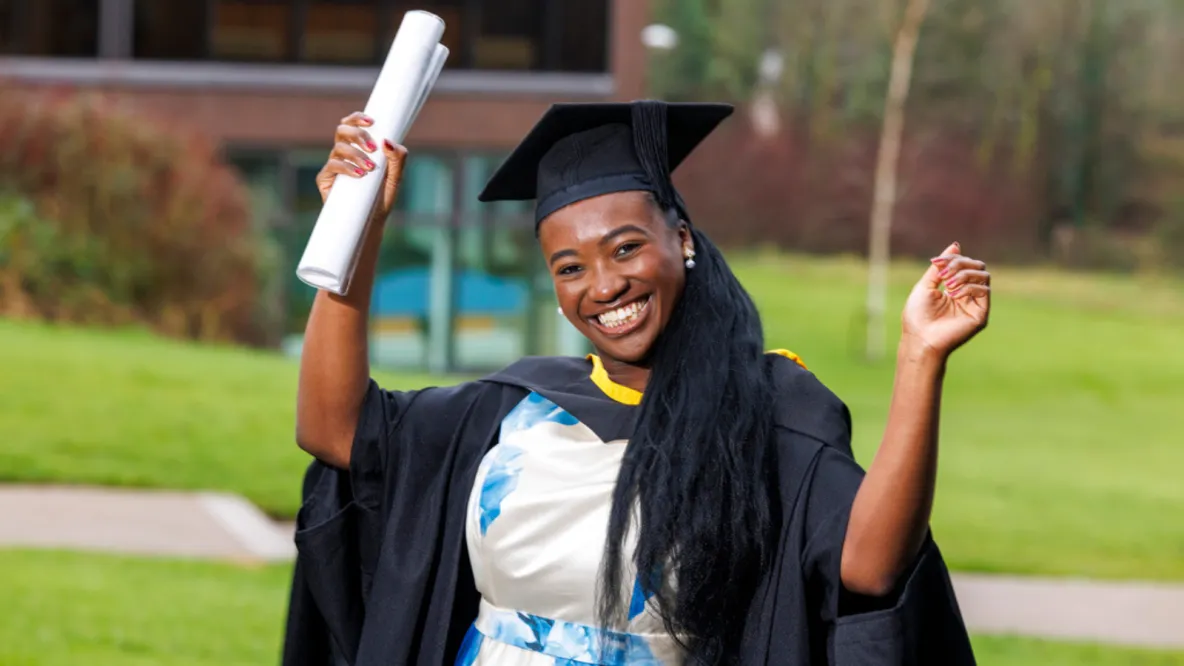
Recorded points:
408,75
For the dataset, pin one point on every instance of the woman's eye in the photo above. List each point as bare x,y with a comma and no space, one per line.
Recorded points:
570,269
627,248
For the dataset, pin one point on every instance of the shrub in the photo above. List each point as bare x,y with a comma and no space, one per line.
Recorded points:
110,217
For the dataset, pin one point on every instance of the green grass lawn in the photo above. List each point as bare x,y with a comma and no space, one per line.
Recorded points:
1062,435
68,609
65,609
124,408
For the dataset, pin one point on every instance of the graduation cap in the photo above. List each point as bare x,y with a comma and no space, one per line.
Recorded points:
580,151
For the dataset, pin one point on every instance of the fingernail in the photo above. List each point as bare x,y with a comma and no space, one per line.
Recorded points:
360,172
369,164
370,146
954,292
368,119
944,272
388,144
950,284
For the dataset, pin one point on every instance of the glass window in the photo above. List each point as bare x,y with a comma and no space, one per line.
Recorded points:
425,199
502,304
170,31
9,12
404,332
497,310
510,35
342,31
68,28
583,46
251,29
519,35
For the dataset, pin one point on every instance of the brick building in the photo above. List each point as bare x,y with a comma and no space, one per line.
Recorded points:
269,80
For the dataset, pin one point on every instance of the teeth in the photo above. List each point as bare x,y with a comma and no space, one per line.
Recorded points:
622,315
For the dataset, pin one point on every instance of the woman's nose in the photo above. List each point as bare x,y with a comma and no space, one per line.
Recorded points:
608,286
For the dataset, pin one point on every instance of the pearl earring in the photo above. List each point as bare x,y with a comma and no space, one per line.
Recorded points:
560,310
690,255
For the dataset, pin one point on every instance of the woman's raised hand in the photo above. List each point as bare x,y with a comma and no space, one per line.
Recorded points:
941,321
353,147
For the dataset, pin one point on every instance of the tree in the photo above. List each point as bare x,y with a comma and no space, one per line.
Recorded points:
1073,104
884,198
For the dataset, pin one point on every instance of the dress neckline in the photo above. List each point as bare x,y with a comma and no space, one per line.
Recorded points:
627,396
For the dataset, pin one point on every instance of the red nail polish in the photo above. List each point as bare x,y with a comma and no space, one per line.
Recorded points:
370,146
943,273
388,144
360,172
369,164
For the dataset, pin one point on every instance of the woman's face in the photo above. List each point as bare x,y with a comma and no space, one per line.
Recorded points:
618,269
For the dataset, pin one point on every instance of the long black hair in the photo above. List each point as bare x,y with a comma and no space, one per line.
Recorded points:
695,472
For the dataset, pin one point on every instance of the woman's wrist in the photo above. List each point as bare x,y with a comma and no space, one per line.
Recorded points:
916,354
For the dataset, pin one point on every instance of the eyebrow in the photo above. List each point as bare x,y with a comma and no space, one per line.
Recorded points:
561,254
624,229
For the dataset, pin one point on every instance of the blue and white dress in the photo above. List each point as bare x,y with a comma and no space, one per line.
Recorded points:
535,531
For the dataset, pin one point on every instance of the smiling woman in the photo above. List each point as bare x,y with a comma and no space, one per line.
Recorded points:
681,496
617,284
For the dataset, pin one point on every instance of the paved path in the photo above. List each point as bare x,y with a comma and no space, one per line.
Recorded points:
160,523
1137,614
140,523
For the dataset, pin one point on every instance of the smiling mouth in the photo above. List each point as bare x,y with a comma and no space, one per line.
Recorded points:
623,319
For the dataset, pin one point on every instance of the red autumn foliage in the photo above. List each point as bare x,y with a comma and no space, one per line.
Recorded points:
115,218
814,195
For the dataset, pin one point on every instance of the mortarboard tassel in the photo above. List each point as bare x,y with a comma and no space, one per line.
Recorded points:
650,143
649,140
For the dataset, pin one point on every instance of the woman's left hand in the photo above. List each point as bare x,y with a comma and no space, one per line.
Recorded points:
941,321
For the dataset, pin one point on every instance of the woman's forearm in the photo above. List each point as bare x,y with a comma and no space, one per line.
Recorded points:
890,516
335,364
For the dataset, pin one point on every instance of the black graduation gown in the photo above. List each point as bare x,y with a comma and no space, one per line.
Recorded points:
382,574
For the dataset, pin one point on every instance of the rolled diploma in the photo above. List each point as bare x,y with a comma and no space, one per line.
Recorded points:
437,64
402,87
434,68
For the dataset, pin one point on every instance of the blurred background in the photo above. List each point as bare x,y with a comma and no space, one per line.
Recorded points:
156,193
